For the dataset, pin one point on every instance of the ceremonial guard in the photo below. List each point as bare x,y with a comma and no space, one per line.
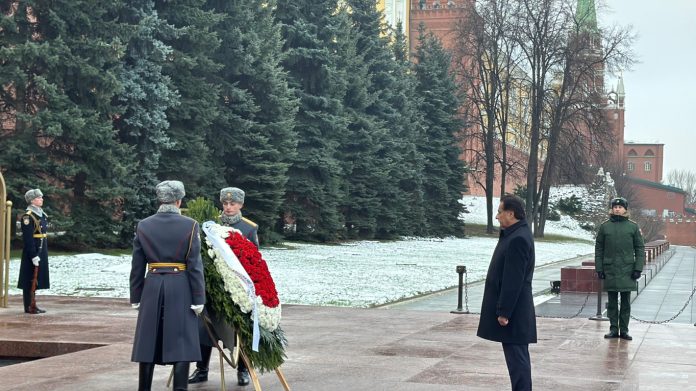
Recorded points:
232,199
33,271
619,260
167,245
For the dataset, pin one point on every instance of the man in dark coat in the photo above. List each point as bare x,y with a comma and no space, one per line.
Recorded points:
33,271
619,260
168,299
232,199
507,310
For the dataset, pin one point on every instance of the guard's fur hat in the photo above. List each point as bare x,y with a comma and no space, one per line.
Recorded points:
170,191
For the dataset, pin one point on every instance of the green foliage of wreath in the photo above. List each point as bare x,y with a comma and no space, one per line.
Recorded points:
271,352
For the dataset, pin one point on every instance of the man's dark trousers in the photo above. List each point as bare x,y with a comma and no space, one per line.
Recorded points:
519,366
618,319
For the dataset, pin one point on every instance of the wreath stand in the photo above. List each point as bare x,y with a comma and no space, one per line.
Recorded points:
238,352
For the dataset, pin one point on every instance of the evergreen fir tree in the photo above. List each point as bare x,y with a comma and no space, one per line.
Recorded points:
260,140
59,76
443,177
408,133
311,201
191,69
361,151
146,96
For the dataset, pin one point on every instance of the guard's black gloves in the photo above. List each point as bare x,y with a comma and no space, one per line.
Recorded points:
635,275
601,275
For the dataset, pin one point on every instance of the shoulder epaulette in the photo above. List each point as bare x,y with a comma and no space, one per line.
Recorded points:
30,215
253,224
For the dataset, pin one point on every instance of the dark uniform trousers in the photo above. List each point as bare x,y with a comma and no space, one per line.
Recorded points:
618,319
519,366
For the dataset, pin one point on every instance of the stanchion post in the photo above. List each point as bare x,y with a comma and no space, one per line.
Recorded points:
599,316
460,270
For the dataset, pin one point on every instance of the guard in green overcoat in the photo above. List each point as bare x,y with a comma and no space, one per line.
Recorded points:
619,259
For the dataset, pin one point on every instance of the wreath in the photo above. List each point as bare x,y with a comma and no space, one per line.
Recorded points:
232,296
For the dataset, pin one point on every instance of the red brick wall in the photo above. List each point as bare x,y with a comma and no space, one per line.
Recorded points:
440,21
515,176
659,200
616,119
681,233
640,158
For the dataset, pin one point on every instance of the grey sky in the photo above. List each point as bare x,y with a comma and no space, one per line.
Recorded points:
661,89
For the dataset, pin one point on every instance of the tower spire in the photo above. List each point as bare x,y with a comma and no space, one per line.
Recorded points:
587,15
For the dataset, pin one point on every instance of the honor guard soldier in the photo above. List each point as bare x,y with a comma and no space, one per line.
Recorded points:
619,260
33,271
232,199
169,298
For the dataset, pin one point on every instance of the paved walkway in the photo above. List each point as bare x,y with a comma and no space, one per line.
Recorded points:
87,342
447,300
669,290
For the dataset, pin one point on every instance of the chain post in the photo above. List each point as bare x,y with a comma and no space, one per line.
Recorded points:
599,316
461,270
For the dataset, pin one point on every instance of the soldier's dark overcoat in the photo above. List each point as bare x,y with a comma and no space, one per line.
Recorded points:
249,230
33,224
508,289
619,250
167,298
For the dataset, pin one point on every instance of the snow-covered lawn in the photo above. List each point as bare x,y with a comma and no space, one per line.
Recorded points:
355,274
567,226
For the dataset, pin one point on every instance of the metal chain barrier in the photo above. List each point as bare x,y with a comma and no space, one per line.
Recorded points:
673,317
464,287
466,292
582,307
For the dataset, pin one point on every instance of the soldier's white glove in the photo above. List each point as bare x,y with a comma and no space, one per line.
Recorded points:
135,306
197,308
35,261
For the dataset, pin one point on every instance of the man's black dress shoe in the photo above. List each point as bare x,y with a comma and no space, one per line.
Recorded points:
243,377
35,310
198,376
626,337
611,335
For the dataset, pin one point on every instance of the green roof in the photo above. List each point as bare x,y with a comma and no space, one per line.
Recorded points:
656,185
587,15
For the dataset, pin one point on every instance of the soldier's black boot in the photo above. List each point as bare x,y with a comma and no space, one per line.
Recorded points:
201,373
243,377
181,370
198,376
147,369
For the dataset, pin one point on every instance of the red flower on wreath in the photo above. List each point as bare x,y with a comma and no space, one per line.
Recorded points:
250,258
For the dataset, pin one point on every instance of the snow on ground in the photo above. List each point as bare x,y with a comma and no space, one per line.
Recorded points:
355,274
567,226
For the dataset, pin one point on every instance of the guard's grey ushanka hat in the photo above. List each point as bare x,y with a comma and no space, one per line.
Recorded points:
170,191
31,194
233,194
